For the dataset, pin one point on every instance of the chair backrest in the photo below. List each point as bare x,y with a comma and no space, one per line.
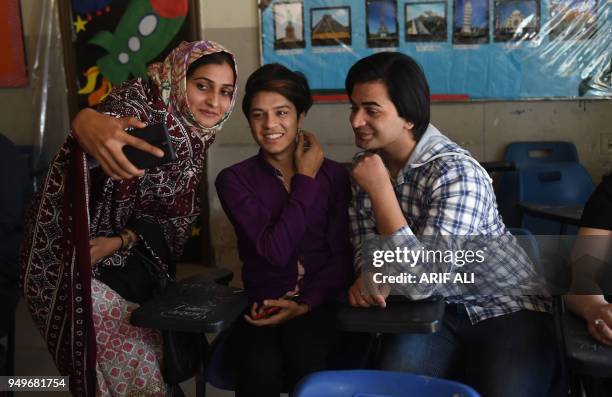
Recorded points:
525,154
378,383
555,184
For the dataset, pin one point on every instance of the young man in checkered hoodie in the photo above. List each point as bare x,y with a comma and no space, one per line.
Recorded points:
412,183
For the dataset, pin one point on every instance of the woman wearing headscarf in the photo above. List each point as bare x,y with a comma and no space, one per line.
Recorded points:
79,276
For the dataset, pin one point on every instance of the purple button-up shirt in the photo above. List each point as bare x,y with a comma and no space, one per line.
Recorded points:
276,228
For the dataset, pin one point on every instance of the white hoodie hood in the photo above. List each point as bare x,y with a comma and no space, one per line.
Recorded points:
433,145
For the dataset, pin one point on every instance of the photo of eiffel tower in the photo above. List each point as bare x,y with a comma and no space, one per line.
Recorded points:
381,23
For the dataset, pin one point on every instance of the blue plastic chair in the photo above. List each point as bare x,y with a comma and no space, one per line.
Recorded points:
378,384
565,183
523,155
527,154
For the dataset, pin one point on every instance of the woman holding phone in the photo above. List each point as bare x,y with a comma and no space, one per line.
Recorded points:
289,208
89,230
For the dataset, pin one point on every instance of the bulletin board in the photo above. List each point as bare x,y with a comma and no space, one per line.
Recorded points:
469,49
13,71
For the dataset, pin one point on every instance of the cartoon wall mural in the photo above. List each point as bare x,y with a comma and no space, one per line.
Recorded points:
117,39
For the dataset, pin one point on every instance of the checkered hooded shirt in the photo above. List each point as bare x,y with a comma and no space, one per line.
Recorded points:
443,191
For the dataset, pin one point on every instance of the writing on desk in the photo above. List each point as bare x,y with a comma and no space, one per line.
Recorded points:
187,312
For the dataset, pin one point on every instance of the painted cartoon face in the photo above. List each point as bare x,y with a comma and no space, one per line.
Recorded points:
209,93
274,122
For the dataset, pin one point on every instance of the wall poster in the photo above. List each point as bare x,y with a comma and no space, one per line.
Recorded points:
469,49
13,71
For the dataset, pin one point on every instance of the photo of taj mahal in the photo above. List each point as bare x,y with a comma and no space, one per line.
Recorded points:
516,20
288,25
471,22
381,23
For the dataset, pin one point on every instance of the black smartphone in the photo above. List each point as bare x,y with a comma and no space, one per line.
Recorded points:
157,135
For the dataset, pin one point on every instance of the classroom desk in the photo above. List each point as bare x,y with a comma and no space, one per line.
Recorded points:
586,355
564,214
200,305
400,316
196,304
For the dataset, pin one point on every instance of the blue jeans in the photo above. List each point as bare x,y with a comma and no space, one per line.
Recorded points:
513,355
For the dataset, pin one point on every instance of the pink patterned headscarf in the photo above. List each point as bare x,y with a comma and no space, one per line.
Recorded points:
171,78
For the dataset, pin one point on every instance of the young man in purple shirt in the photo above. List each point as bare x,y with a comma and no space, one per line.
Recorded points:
289,208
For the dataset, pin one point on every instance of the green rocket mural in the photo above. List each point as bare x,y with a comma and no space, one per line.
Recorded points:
145,29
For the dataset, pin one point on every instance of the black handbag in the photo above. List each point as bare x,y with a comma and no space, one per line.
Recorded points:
182,350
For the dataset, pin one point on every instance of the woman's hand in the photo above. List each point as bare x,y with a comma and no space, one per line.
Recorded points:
103,137
288,309
308,154
599,319
101,247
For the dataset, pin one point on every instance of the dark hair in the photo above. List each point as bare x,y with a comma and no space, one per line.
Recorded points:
405,82
216,58
274,77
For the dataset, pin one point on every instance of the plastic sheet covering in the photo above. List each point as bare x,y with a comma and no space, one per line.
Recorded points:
469,49
582,44
49,93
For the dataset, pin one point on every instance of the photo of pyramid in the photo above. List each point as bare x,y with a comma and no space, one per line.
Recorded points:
426,21
330,26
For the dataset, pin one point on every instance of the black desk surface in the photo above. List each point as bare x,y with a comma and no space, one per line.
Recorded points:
569,214
200,305
196,304
399,316
586,354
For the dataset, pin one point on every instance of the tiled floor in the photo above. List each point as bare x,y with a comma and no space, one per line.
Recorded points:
32,357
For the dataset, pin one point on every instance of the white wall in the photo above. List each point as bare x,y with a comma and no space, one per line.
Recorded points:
484,128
